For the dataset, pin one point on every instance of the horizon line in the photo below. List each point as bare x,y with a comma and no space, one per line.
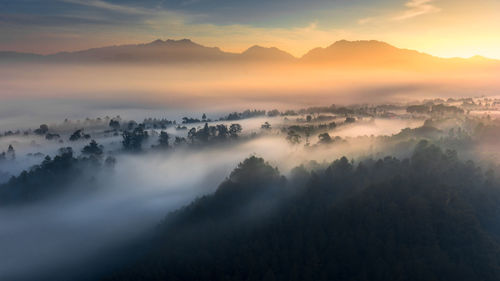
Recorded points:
245,49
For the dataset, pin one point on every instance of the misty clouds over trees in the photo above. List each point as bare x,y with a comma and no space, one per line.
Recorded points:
429,217
55,176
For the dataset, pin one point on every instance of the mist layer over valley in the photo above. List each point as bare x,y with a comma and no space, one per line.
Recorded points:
98,187
359,161
189,79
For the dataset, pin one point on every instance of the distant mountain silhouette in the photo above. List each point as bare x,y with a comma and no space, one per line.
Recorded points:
8,56
157,51
362,52
266,54
341,54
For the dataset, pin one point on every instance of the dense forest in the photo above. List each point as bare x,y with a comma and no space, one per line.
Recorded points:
428,217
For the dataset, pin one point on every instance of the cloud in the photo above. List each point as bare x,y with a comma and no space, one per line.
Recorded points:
111,7
417,8
50,20
365,21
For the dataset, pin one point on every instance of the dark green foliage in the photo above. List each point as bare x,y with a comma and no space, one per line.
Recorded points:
11,152
188,120
131,125
78,134
163,140
179,141
324,138
92,149
273,113
42,130
244,115
420,132
213,134
114,124
430,217
442,109
52,176
50,136
222,131
307,130
153,123
422,109
350,120
293,137
180,128
132,140
235,130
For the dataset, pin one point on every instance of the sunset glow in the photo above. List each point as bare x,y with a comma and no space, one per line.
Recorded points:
250,140
443,28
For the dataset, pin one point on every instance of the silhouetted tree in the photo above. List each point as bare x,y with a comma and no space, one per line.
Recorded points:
11,152
42,130
222,131
50,136
114,124
163,140
93,149
266,126
324,138
350,120
234,130
78,134
273,113
179,141
293,137
132,140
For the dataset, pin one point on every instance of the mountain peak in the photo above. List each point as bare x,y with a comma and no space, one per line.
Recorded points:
267,53
360,44
259,49
362,53
157,42
368,53
180,43
255,48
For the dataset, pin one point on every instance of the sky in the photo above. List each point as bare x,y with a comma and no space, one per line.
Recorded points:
446,28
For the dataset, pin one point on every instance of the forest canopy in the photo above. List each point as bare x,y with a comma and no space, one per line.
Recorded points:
428,217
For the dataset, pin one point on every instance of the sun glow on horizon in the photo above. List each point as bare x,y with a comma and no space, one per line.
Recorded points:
443,28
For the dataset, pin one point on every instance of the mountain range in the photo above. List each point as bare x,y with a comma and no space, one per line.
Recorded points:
340,53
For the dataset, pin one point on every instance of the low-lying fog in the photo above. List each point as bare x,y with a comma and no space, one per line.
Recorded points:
32,92
128,202
142,188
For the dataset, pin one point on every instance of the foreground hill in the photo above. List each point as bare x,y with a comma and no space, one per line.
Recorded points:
430,217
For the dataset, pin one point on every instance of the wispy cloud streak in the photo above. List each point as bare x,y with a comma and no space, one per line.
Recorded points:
111,7
417,8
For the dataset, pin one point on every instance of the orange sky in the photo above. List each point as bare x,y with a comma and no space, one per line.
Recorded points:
445,28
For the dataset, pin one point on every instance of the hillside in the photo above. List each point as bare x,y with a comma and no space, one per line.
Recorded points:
430,217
